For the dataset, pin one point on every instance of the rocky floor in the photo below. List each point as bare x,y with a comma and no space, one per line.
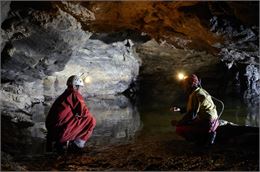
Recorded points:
151,153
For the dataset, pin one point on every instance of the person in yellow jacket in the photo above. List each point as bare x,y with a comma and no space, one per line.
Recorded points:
201,119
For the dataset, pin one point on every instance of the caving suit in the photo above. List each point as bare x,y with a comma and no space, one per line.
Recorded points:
201,116
69,118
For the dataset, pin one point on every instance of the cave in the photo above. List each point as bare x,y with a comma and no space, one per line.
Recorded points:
128,54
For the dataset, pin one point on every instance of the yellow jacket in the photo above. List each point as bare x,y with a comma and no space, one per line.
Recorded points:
201,104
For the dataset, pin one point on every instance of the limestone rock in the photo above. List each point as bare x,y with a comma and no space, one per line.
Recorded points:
241,51
42,45
42,48
5,7
106,69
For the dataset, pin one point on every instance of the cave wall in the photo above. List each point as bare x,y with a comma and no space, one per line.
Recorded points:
5,7
159,85
70,31
42,47
228,31
114,44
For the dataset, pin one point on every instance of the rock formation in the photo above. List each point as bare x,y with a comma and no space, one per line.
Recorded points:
115,44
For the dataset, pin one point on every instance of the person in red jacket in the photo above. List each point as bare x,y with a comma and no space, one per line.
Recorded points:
69,120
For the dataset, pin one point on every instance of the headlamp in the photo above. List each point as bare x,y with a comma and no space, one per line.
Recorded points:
181,76
87,80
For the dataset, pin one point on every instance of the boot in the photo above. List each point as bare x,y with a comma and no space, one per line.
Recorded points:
212,137
73,148
61,148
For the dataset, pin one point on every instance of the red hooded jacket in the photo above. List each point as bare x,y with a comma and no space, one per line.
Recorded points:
69,118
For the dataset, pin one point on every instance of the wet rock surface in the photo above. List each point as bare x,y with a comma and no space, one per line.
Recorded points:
155,147
43,43
148,154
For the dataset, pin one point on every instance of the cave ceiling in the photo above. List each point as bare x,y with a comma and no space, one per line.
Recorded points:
116,43
88,36
169,21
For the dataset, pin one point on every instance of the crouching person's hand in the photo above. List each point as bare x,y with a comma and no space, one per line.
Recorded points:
175,109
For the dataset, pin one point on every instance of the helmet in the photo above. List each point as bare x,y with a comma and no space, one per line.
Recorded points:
192,81
75,80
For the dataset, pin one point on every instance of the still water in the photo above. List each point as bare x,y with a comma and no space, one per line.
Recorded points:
157,121
120,122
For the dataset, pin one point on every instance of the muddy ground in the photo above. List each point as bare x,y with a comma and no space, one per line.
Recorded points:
150,153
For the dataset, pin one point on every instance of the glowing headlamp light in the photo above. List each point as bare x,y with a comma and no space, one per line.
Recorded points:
87,80
181,76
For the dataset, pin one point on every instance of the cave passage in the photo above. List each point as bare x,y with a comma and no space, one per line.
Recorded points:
128,54
123,127
120,122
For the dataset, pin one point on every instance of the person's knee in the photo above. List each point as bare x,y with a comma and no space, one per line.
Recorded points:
214,126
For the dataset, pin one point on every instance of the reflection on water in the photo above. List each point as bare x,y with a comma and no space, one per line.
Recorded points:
157,121
117,122
239,113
